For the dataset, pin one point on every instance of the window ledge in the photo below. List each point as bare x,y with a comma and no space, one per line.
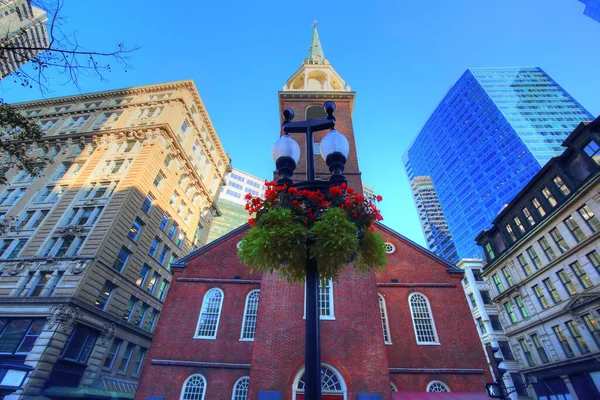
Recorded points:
429,344
246,340
204,338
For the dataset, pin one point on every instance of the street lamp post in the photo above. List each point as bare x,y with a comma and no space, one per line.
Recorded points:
286,153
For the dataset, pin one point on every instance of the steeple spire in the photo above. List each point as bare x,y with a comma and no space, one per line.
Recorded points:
315,51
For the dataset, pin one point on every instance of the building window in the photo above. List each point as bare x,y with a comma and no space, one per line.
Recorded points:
167,162
194,388
104,295
240,389
481,326
40,283
384,320
561,185
498,283
437,387
121,259
152,284
521,306
581,275
389,248
495,321
162,290
508,276
540,296
519,224
422,318
141,315
250,313
80,344
489,251
524,264
552,290
208,322
506,350
510,232
112,354
559,240
147,204
549,196
538,206
141,279
575,229
579,340
472,300
135,230
152,322
534,257
17,336
139,362
163,222
588,215
563,341
477,275
527,353
539,348
510,312
594,259
159,180
592,326
180,239
566,281
593,150
162,257
529,217
485,296
129,310
14,248
325,299
126,358
543,242
520,386
331,383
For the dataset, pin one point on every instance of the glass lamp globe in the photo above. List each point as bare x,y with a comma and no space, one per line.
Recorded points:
285,146
334,142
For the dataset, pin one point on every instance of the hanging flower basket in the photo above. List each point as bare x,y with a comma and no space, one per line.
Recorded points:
293,225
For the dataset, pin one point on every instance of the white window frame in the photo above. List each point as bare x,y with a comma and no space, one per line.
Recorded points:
439,383
331,307
329,367
202,396
384,319
203,308
412,315
246,313
235,387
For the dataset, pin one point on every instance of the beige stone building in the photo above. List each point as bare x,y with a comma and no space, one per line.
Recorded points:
22,26
130,185
543,269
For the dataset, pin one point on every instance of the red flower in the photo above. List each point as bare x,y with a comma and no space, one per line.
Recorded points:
372,228
251,222
379,198
349,190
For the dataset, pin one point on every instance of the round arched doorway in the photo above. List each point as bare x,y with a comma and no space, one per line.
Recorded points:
333,386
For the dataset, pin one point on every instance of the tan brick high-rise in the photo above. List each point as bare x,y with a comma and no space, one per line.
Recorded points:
130,186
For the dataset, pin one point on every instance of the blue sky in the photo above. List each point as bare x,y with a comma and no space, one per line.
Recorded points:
400,57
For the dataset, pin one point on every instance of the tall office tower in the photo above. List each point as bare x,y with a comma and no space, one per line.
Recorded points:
592,9
433,221
21,25
494,129
368,191
131,181
232,202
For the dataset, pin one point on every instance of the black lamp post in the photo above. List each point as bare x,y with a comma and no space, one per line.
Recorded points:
286,153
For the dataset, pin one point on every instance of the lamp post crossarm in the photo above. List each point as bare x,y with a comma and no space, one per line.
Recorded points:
302,126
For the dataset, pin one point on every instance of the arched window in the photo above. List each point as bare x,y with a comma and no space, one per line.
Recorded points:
315,112
249,320
384,320
332,383
422,319
240,389
393,387
194,388
210,314
437,386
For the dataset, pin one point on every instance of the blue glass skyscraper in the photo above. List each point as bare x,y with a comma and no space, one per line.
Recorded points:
592,9
491,133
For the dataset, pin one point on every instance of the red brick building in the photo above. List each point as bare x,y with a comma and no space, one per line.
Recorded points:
228,334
